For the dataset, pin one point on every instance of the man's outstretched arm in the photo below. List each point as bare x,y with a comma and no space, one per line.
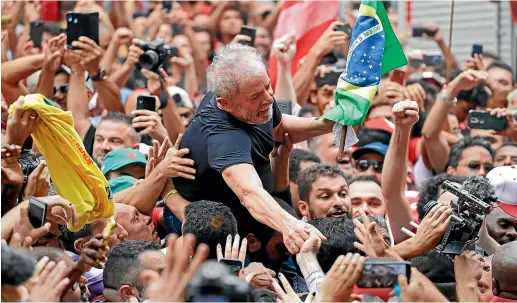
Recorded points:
301,129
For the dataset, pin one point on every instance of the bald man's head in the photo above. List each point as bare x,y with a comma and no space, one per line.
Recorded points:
504,270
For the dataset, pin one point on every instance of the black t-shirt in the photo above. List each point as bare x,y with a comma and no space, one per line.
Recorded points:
216,141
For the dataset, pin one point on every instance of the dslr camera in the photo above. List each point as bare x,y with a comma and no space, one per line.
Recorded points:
466,220
28,163
214,282
156,54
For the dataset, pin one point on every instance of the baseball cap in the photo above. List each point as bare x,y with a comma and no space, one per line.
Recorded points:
375,147
120,158
121,183
504,181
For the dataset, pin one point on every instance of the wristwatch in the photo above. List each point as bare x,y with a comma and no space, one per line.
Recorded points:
447,100
100,75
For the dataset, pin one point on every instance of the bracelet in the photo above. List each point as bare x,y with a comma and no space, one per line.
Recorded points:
172,192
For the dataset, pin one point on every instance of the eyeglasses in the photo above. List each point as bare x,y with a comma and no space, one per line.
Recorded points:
477,166
364,165
61,88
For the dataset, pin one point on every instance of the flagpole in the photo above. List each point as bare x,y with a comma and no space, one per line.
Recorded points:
342,143
449,62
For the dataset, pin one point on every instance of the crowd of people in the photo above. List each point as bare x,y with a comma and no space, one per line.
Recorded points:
216,193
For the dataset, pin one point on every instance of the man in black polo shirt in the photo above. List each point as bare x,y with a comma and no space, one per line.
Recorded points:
231,137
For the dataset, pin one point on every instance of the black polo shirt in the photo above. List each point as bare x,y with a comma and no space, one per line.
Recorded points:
216,141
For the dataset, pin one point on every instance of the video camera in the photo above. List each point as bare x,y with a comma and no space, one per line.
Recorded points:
156,54
466,220
215,283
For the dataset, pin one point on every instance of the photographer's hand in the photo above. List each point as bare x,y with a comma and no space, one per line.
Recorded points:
154,83
414,291
90,53
511,125
151,123
25,229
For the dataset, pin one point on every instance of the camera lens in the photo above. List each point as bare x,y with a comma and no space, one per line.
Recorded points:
428,207
149,59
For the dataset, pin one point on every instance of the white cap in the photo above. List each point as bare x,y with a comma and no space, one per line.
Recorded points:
504,181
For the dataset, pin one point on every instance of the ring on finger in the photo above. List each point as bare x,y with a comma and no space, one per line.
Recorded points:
33,117
7,154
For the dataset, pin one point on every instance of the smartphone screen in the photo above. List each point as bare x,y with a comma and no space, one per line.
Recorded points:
476,49
234,264
147,103
250,32
433,60
37,212
383,274
36,32
93,27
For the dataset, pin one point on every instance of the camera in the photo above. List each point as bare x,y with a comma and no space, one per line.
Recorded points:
155,55
28,163
478,96
466,220
215,283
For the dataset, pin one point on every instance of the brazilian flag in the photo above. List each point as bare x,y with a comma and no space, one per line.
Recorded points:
374,50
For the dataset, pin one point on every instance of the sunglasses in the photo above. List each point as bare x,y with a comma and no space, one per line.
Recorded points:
364,165
61,88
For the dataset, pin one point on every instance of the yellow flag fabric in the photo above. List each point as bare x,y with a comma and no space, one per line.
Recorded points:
74,174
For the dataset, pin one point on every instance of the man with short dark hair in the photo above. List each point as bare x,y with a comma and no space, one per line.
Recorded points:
211,223
299,160
340,240
366,194
323,192
17,267
506,155
122,280
471,156
114,131
504,273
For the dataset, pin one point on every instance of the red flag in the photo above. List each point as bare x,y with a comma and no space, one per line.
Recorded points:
308,19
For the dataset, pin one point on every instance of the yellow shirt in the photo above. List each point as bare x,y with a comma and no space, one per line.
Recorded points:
74,174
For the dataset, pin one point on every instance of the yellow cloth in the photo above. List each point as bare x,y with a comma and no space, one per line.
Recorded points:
74,174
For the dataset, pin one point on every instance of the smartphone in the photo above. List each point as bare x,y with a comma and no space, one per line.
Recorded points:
330,78
37,212
398,76
433,60
476,49
479,119
345,28
234,264
250,32
383,273
147,103
36,32
285,106
79,24
420,31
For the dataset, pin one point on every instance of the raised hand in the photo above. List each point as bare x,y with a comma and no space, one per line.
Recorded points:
331,39
417,93
236,251
155,85
38,182
122,36
468,267
52,283
21,124
287,294
258,276
171,284
511,125
134,53
467,80
341,278
285,48
438,37
91,54
173,165
25,229
11,171
432,228
372,243
150,123
405,113
54,53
